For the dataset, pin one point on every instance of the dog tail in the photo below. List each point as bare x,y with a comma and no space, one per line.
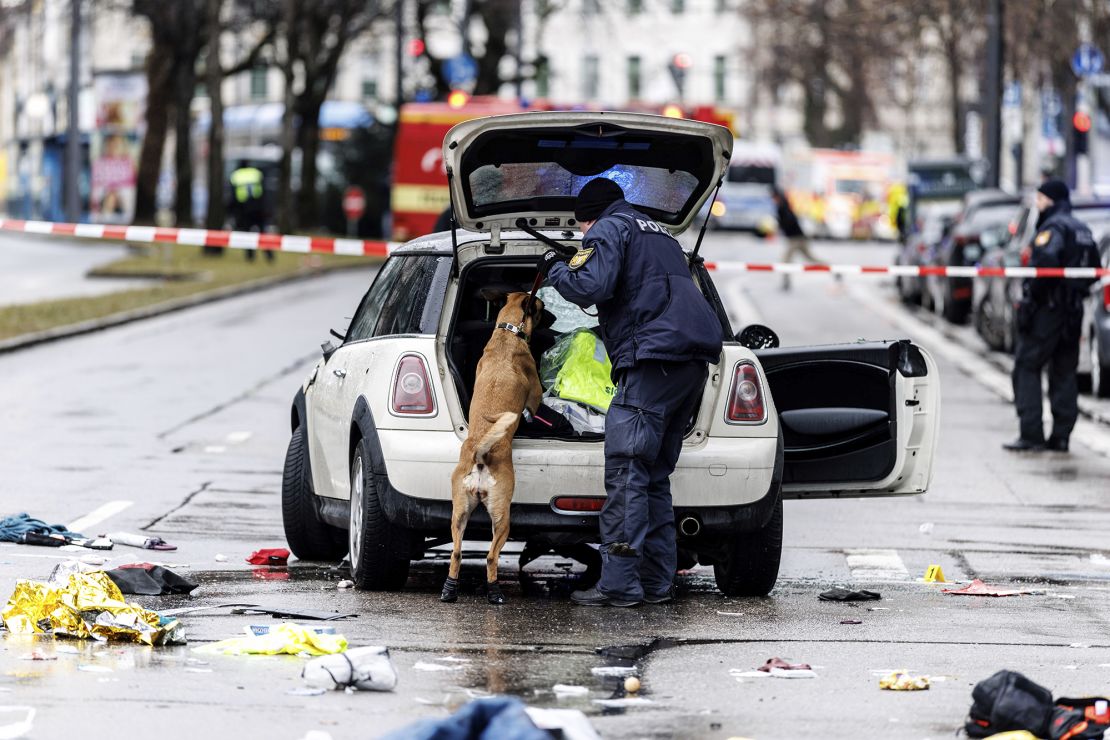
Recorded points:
500,428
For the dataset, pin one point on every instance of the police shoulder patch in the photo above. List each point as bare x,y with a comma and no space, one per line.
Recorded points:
1043,238
580,258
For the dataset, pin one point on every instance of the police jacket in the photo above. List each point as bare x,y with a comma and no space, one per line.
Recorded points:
636,274
1061,241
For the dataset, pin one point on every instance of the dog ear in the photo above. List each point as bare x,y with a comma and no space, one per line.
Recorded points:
546,319
493,294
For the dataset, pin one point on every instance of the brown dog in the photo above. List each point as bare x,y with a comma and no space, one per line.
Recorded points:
505,383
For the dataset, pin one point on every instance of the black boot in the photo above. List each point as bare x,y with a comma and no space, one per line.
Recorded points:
1023,445
450,592
493,594
1056,444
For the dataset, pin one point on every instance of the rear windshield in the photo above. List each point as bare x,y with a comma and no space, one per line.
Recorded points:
644,186
989,216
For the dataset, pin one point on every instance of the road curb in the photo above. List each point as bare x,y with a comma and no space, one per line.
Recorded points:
25,341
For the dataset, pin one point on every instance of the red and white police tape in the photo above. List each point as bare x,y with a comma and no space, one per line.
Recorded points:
205,238
371,248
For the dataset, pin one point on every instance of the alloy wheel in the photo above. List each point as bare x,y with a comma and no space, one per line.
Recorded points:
355,531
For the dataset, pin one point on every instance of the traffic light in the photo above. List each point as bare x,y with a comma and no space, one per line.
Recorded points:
1081,127
680,63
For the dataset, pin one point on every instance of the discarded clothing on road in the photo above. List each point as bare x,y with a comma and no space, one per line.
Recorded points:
149,580
978,588
12,528
285,639
779,668
1008,701
89,606
844,594
364,668
903,681
496,718
269,556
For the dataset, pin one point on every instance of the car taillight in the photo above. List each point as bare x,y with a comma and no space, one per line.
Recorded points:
578,503
412,392
1106,293
745,398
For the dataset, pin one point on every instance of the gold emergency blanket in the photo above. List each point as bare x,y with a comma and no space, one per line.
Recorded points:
903,681
89,606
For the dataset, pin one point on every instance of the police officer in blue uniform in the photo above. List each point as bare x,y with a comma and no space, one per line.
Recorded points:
1049,321
660,333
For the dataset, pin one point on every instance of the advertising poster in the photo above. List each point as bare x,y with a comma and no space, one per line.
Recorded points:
120,101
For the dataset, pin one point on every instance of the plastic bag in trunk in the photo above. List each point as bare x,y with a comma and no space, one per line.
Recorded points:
577,368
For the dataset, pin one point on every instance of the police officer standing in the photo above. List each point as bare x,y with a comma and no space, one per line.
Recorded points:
1049,321
660,333
247,207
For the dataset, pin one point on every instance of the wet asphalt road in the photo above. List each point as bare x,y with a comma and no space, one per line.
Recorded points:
183,420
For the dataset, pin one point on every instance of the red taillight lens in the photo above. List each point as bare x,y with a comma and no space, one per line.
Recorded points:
745,398
578,503
412,392
1106,293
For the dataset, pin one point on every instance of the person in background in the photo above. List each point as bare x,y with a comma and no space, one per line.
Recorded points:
1049,320
247,206
791,230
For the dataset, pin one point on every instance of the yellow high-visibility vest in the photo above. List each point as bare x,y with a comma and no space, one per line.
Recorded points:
247,183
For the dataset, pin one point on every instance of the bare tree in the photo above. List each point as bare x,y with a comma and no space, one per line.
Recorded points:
313,34
486,28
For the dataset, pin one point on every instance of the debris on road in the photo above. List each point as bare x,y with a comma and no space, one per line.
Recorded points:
12,528
563,690
851,621
285,639
345,584
617,671
632,684
844,594
926,528
903,681
269,556
978,588
774,664
89,606
141,541
220,558
364,668
627,701
1009,701
149,580
195,609
425,666
499,716
730,614
283,613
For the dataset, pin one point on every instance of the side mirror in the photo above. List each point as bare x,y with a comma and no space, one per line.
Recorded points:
328,349
758,336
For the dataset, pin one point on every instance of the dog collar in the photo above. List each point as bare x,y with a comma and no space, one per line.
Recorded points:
513,330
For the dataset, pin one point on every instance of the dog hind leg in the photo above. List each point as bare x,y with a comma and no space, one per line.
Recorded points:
464,503
498,506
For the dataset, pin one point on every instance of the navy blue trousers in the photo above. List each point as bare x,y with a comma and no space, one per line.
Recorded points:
643,438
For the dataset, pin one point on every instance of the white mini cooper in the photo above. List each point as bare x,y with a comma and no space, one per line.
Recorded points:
378,423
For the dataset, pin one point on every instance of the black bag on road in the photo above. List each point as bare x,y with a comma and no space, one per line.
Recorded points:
1009,701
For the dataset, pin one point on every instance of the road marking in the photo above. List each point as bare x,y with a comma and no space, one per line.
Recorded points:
1089,434
96,516
238,437
876,565
215,449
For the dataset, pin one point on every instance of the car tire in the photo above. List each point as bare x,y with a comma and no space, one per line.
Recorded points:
308,537
750,566
379,550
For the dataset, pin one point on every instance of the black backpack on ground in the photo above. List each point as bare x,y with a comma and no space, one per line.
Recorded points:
1009,701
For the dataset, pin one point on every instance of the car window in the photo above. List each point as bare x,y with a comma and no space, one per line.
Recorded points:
366,317
402,312
989,216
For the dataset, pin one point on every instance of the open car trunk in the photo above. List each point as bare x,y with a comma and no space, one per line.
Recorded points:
473,324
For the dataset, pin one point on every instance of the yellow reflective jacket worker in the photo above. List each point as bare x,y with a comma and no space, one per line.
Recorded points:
246,184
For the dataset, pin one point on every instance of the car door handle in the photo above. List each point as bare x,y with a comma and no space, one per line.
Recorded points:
340,372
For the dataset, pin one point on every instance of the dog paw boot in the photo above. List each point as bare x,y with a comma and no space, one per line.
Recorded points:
450,592
493,594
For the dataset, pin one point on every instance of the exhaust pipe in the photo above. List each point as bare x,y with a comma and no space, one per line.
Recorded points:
689,526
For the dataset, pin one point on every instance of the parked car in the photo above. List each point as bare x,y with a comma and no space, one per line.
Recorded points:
982,210
933,223
378,424
744,200
1094,346
995,299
